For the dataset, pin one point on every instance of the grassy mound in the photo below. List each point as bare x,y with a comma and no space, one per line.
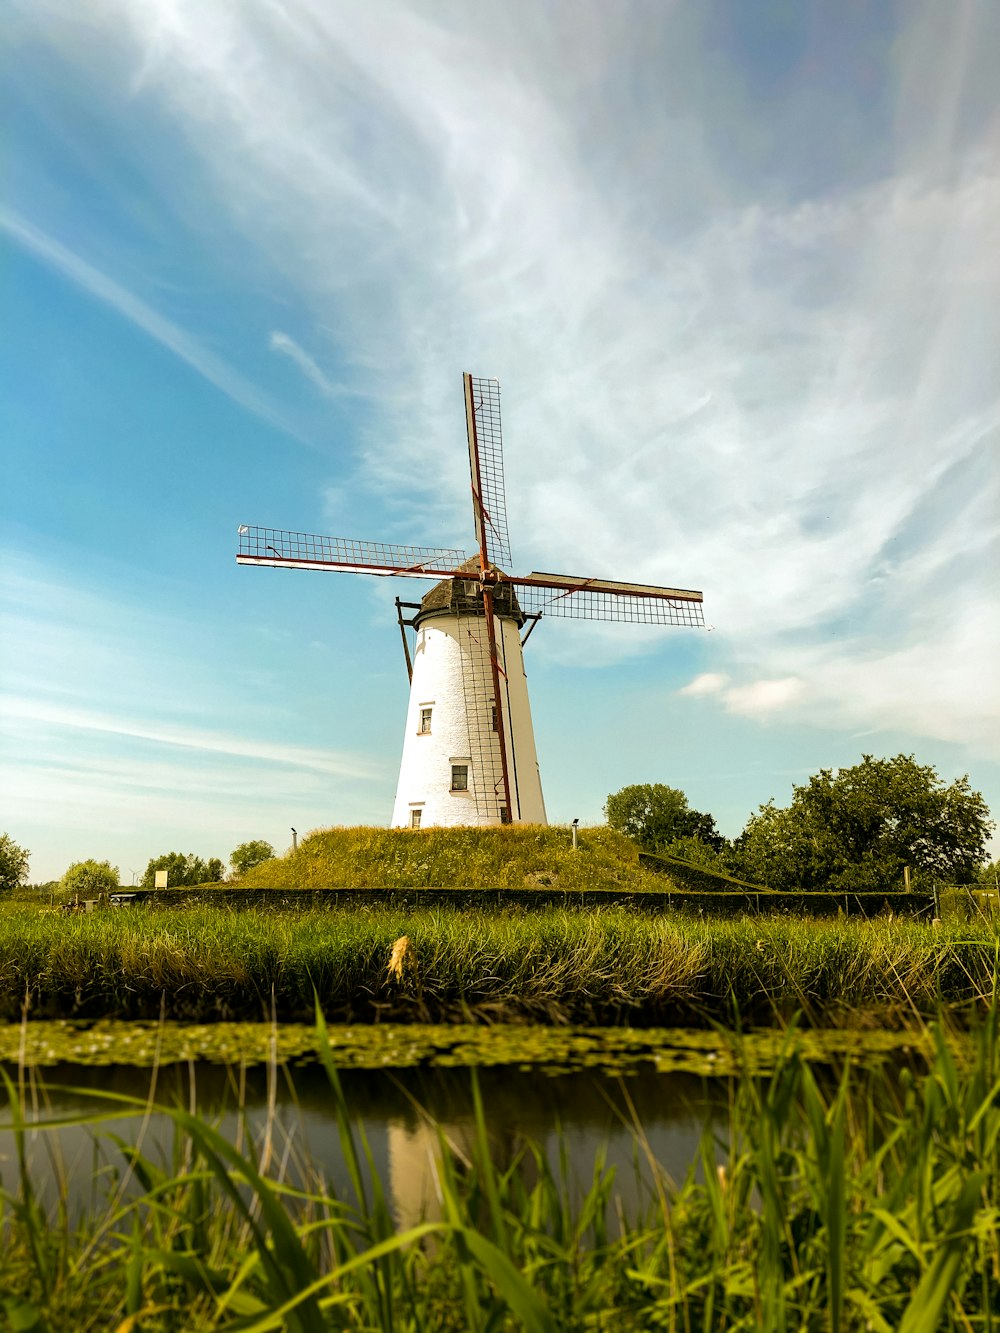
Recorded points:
513,856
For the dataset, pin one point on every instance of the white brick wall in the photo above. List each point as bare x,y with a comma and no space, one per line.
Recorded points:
425,769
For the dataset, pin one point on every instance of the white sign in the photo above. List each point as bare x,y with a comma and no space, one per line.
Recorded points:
161,879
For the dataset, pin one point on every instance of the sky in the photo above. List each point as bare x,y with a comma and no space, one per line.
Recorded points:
736,269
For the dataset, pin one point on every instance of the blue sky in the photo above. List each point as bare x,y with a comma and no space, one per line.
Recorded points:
736,269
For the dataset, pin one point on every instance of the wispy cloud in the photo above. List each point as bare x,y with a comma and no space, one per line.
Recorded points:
91,280
18,708
281,342
940,687
779,385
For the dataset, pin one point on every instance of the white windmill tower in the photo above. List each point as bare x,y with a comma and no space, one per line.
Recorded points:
469,749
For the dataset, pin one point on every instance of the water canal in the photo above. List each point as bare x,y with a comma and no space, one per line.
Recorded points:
628,1098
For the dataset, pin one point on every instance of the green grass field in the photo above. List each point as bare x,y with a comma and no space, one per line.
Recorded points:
604,967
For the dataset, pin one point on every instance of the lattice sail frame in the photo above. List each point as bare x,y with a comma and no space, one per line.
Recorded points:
306,550
482,418
486,467
589,603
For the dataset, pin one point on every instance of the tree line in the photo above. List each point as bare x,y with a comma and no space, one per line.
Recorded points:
879,824
91,878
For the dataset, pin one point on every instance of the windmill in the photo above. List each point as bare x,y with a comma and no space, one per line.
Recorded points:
469,749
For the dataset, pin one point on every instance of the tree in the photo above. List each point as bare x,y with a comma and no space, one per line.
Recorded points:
250,854
776,848
655,816
859,827
89,879
13,864
183,869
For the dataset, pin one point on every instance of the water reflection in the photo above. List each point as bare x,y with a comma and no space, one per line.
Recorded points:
290,1119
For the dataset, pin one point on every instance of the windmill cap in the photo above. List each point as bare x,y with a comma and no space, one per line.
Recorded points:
464,597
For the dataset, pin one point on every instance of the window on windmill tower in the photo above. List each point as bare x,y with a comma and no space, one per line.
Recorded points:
425,721
460,777
415,817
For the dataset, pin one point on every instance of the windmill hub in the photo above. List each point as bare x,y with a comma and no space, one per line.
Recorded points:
469,748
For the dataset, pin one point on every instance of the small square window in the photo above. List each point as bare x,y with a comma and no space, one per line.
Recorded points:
425,721
460,777
415,817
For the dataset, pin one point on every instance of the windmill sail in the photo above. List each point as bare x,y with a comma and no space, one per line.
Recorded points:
607,599
306,550
489,508
489,500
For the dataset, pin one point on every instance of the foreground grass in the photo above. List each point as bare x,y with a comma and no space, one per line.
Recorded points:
872,1205
603,967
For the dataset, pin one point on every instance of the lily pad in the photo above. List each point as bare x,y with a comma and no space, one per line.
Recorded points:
400,1046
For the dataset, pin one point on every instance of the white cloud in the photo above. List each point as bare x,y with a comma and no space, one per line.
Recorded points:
709,682
941,687
759,698
762,698
847,685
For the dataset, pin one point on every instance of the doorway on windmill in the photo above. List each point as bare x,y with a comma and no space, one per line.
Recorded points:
460,777
424,729
416,814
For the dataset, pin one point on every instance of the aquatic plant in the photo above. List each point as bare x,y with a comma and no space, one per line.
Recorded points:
548,1048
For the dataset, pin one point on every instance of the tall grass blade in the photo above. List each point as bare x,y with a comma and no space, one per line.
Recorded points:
938,1284
284,1261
